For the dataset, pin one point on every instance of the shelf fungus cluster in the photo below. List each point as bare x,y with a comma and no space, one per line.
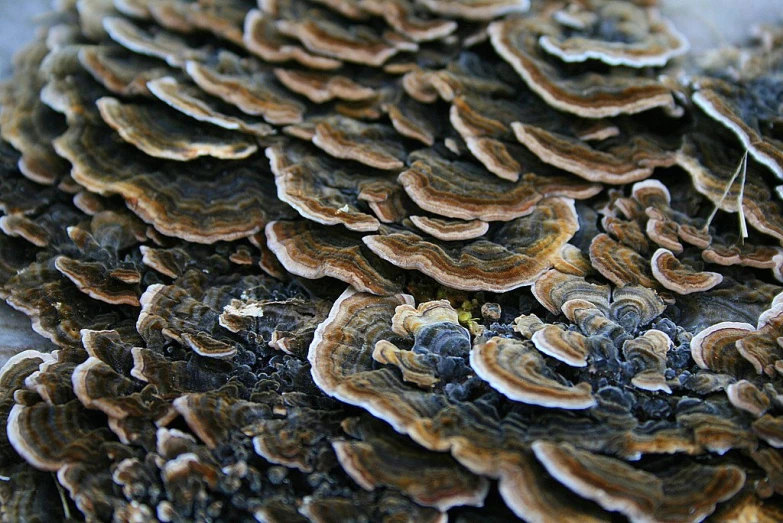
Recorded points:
400,261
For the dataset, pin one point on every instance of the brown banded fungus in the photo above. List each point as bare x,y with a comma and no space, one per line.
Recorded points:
585,335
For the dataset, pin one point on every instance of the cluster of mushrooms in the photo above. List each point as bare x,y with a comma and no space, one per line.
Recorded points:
561,242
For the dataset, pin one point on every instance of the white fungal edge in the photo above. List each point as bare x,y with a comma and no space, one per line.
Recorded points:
698,339
707,106
657,60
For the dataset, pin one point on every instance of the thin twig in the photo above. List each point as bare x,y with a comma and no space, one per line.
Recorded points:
741,169
740,198
63,499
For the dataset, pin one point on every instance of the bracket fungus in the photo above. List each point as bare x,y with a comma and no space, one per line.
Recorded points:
559,232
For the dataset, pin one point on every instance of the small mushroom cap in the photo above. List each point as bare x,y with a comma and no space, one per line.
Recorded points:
711,165
21,106
409,320
714,347
416,368
517,370
761,348
340,343
164,45
450,230
98,281
554,288
679,278
121,71
746,396
50,436
567,346
648,352
356,44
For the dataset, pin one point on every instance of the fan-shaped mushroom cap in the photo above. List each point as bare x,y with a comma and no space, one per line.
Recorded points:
625,162
168,134
415,368
714,347
378,458
161,44
627,232
648,352
634,306
223,19
50,436
761,348
252,93
620,264
261,37
770,429
567,346
522,250
99,282
321,87
675,276
400,15
517,370
324,190
177,199
745,255
121,71
314,251
325,37
341,344
412,120
98,386
22,227
192,101
468,75
163,309
409,320
370,144
460,190
746,396
635,37
555,288
588,95
637,494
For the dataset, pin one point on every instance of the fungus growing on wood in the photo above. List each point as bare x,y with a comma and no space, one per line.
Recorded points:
206,366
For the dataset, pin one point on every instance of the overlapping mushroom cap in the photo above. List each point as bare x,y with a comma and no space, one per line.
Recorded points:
552,314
